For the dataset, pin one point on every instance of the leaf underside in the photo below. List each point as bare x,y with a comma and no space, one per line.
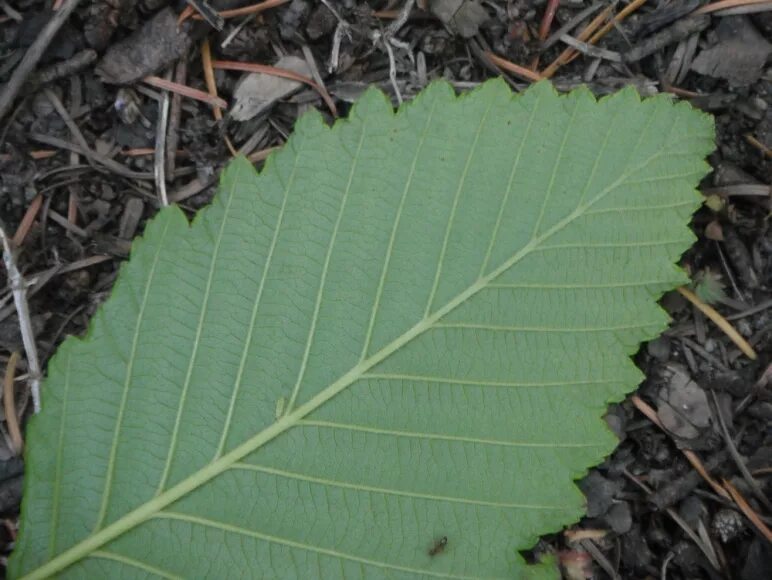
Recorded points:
406,327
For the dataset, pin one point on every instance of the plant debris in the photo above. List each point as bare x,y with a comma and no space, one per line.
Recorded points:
462,16
134,58
255,92
739,55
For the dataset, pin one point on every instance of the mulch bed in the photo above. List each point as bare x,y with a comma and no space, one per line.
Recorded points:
91,145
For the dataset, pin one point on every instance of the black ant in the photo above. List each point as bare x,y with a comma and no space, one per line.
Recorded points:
439,546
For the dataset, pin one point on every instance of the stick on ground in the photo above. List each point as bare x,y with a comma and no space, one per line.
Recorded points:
19,289
34,52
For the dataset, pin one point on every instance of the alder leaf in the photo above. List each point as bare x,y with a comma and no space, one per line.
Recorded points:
405,329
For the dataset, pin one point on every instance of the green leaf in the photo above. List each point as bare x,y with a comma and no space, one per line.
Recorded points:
708,286
407,327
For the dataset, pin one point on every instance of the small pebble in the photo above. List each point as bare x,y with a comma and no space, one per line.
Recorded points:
727,525
620,518
744,327
41,106
108,193
659,348
750,110
692,509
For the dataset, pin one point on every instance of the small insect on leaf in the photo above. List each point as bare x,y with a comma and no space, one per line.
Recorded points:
439,546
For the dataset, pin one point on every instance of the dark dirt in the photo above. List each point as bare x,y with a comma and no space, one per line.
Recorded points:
76,157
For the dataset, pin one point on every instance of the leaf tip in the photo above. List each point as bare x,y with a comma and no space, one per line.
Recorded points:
236,166
543,88
310,122
373,102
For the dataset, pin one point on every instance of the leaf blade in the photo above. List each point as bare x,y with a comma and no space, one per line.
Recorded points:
351,262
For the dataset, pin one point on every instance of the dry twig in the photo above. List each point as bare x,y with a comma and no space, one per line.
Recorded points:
746,509
19,289
624,13
681,30
591,50
706,549
33,54
570,25
211,85
745,9
63,69
175,115
546,21
110,164
186,13
690,455
185,91
732,448
278,72
724,4
65,116
27,221
720,321
9,405
159,165
600,558
253,9
515,69
758,145
262,154
569,53
206,12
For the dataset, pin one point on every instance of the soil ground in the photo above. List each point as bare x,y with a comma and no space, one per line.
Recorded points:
78,182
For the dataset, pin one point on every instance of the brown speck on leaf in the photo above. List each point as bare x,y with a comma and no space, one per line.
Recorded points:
439,546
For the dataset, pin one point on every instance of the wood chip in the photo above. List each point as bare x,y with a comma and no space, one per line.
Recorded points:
151,48
256,92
